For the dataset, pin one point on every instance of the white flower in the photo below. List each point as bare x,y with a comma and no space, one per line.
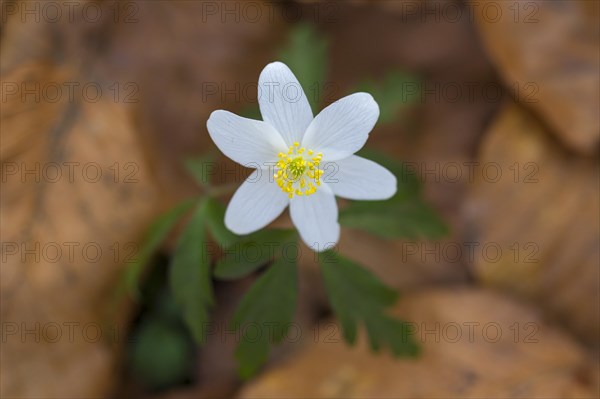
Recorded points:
300,161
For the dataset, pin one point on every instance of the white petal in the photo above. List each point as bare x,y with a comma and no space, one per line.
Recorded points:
283,103
342,128
358,178
255,204
315,216
248,142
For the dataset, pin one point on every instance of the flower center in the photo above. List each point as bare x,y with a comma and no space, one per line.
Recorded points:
297,172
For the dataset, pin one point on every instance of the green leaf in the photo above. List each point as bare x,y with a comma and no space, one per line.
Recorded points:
395,333
264,314
215,212
201,168
154,237
253,251
391,219
161,354
396,91
251,111
190,274
408,181
357,296
405,215
306,55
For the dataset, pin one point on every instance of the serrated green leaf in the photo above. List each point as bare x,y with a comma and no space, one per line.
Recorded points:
190,274
358,297
395,333
251,252
306,55
215,213
155,235
267,308
393,93
405,215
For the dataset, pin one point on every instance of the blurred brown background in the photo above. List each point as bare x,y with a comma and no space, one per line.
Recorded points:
510,86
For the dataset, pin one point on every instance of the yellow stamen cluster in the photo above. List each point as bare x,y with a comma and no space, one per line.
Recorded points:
297,172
